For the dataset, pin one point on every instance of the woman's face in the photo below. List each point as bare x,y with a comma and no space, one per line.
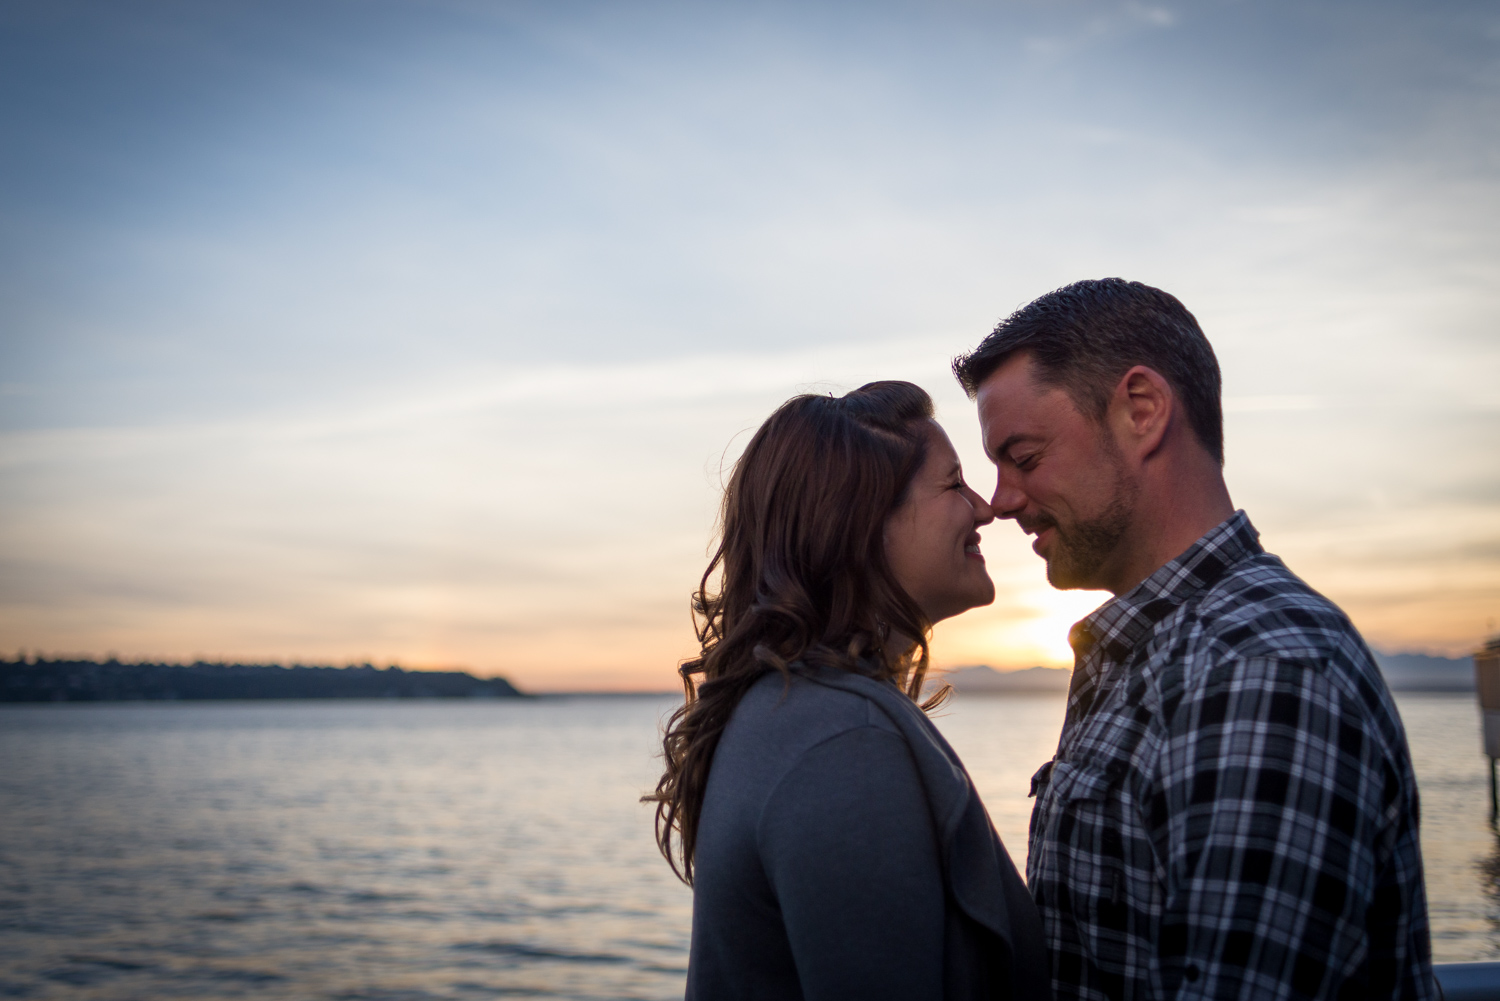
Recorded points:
932,539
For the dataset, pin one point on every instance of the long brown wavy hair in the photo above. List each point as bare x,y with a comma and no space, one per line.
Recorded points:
802,577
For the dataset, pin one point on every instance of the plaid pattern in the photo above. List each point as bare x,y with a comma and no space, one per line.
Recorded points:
1232,811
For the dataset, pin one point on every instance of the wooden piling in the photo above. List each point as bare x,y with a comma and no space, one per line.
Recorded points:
1487,683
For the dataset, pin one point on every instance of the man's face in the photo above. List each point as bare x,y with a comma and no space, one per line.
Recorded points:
1061,475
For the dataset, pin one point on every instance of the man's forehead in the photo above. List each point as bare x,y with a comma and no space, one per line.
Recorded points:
1014,406
1014,386
1016,374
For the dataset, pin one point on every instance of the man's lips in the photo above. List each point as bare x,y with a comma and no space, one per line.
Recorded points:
1042,538
1032,524
1037,525
1042,527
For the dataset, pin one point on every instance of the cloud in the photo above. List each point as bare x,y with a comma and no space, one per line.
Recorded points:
427,336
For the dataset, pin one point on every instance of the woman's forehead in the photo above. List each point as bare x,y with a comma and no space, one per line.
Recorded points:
942,457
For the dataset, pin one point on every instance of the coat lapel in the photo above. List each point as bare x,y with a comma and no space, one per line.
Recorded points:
976,865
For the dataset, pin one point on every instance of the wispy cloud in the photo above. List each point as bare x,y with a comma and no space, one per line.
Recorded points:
426,336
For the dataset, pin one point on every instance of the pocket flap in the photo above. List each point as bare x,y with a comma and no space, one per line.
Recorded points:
1073,781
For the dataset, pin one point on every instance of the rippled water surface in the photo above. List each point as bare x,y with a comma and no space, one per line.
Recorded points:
415,850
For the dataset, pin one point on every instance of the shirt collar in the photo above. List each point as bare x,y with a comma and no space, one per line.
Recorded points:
1122,622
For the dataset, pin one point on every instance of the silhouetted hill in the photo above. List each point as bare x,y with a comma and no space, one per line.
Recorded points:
43,680
982,678
1416,672
1404,672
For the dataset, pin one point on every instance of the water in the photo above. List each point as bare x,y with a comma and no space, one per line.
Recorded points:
334,850
455,850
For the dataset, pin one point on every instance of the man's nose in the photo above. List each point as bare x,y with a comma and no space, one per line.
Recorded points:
1009,499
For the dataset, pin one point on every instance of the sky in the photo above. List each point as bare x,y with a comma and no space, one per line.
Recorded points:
426,332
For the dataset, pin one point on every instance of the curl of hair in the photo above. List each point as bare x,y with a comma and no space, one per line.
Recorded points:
802,577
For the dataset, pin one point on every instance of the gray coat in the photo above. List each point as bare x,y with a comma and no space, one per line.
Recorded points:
843,853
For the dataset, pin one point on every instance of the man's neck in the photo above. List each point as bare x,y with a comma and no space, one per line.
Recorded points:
1172,512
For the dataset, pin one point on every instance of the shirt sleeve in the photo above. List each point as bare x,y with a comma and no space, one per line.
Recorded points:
848,845
1269,805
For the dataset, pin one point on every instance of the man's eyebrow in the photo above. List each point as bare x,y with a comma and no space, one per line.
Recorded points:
1011,442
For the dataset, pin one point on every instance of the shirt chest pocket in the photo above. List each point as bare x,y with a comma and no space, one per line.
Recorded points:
1085,816
1082,807
1069,782
1083,811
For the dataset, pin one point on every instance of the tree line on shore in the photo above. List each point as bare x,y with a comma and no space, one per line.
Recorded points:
40,679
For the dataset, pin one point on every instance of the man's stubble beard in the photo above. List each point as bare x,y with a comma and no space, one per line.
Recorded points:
1080,551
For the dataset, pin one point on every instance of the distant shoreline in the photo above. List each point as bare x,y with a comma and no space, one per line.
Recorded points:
44,680
75,680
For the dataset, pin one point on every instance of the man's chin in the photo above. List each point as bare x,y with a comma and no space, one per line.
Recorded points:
1081,563
1059,580
1063,577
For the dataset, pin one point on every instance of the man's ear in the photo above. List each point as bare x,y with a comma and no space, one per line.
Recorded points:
1141,410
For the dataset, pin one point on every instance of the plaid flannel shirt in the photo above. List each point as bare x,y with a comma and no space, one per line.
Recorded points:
1231,812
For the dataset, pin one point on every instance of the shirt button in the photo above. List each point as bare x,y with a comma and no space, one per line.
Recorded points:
1190,974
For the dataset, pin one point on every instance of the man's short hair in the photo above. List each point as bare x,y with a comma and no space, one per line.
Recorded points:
1086,335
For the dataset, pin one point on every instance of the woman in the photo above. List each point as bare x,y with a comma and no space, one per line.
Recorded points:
834,843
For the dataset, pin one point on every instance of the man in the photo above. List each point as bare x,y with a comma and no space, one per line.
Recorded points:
1231,812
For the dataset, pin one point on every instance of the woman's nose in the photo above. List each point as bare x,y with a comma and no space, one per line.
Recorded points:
983,513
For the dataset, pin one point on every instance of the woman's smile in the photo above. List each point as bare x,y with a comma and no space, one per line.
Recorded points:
932,539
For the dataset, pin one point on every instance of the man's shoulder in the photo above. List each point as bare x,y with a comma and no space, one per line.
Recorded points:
1261,625
1260,609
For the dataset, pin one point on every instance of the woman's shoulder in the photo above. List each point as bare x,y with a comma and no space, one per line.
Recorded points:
808,706
778,722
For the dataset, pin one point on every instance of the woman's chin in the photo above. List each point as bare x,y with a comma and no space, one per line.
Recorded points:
983,596
977,599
